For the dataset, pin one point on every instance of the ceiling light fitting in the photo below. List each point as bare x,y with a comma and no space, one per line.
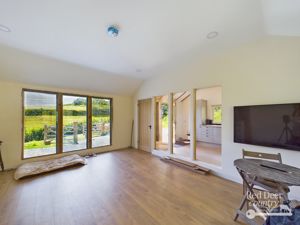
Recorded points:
113,31
212,35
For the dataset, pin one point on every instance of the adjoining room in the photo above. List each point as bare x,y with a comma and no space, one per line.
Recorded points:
209,125
181,121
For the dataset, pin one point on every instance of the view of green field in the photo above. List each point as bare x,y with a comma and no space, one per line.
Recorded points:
38,122
36,118
38,144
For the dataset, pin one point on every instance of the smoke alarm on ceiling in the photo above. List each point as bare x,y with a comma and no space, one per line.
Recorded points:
113,31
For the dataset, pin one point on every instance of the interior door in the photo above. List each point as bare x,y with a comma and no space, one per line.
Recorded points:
144,107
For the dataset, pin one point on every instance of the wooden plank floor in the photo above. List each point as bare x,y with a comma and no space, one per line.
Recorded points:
118,188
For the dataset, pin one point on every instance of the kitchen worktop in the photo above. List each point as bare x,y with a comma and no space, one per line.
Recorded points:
213,125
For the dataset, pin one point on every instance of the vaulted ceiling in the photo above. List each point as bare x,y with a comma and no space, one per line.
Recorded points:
152,34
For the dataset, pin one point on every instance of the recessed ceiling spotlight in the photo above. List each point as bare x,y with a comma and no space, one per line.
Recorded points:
113,31
4,28
212,35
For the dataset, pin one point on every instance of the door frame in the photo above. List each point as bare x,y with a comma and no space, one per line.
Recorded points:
139,119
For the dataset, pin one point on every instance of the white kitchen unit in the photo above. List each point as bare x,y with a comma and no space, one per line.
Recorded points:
206,133
209,133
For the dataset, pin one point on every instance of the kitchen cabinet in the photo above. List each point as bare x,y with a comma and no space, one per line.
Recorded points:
206,133
209,134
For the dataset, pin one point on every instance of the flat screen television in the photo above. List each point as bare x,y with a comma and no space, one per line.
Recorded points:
276,126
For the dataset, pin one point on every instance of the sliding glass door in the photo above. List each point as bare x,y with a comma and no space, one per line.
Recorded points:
74,123
101,122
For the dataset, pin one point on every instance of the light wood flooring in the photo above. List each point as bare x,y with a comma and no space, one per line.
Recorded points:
205,152
119,188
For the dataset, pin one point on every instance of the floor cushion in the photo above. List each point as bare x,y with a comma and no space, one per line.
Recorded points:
33,168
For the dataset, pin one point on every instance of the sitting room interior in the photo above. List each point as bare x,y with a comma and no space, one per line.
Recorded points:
150,112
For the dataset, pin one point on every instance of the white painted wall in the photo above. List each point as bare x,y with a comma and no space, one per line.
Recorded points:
11,121
264,72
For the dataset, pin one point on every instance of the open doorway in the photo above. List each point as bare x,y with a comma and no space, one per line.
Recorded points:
181,123
209,125
162,123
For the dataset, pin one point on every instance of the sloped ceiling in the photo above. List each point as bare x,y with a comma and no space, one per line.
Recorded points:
69,37
19,66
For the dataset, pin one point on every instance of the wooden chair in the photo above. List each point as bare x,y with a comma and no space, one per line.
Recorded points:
255,183
260,155
267,185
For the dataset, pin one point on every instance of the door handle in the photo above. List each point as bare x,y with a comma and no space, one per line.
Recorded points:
150,127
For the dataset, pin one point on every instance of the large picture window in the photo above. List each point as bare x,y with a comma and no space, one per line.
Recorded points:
55,123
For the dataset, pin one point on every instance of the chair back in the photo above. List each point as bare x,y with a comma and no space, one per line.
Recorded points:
261,155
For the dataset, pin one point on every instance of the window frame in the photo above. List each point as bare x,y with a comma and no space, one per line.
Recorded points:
23,121
213,110
59,121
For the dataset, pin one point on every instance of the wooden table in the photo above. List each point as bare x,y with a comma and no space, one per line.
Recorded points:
267,170
273,171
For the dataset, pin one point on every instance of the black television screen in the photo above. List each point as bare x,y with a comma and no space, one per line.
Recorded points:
275,126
